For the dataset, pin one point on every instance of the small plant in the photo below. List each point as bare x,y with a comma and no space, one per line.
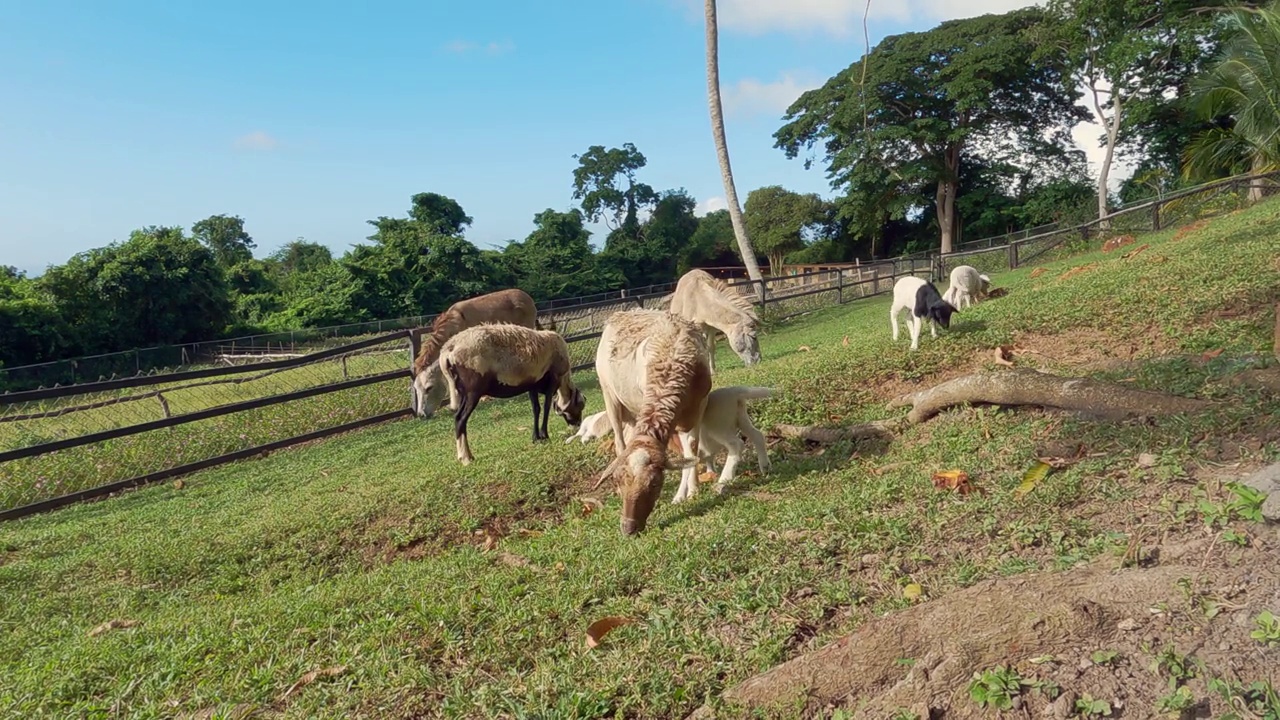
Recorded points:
1255,700
1177,700
1180,668
1268,632
1104,657
996,687
1087,706
901,714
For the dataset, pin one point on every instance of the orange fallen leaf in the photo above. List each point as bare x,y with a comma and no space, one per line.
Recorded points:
590,505
1003,354
312,676
957,480
602,627
1039,271
845,342
1134,251
1211,354
805,348
112,625
707,476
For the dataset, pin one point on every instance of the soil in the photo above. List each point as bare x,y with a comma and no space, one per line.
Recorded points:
1055,629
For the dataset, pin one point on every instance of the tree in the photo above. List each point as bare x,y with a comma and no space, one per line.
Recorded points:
438,213
712,243
929,100
226,238
1242,83
302,256
596,184
556,260
745,250
777,218
1139,50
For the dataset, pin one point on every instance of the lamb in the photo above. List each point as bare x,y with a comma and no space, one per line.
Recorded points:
922,299
502,360
427,389
723,420
966,283
655,374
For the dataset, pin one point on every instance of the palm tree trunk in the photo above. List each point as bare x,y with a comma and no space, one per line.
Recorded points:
722,152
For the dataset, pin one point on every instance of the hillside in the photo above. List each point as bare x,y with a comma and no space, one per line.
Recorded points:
434,590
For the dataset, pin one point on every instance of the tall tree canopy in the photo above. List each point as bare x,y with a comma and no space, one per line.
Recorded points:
605,182
931,99
777,219
225,236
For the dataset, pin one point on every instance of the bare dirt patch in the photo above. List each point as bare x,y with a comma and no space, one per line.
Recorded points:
1095,631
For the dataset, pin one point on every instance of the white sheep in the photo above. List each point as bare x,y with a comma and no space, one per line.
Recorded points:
966,284
502,360
921,298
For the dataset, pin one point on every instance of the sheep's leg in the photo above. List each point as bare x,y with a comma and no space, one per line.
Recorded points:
613,411
546,413
533,400
915,332
893,322
933,328
732,456
460,427
711,336
756,437
689,475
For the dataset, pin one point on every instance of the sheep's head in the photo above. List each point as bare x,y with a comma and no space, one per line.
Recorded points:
638,475
941,313
745,344
571,411
429,391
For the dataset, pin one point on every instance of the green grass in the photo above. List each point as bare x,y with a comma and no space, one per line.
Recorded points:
367,551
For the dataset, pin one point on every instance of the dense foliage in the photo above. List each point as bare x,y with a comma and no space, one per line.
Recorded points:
934,137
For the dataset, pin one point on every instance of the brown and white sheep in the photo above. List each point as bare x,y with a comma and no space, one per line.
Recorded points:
502,360
655,374
428,385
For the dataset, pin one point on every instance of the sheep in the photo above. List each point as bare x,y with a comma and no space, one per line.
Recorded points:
723,420
921,298
710,302
655,374
503,360
966,283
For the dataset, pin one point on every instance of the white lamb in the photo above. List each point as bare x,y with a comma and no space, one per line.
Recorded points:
966,284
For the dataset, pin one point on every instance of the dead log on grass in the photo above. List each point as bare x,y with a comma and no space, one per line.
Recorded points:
1026,387
827,436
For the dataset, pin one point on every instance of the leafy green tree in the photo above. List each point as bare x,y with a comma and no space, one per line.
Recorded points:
556,260
302,256
712,244
605,182
318,297
1130,54
225,236
931,99
440,214
777,219
1243,84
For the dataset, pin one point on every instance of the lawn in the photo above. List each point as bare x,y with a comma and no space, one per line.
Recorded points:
444,591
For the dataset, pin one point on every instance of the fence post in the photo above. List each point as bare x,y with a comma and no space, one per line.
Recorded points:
1155,216
415,341
763,296
839,287
1013,256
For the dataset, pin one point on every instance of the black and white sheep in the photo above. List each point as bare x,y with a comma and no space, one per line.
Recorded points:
503,361
921,298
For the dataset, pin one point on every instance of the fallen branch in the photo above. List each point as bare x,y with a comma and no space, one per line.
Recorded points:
1022,386
827,436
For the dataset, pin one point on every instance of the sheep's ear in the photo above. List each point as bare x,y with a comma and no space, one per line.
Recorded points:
680,463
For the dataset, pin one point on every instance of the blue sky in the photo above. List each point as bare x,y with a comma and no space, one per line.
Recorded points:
308,120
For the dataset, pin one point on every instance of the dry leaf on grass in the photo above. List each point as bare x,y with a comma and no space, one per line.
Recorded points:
1211,354
602,627
1004,355
912,591
1078,270
957,480
707,477
845,342
804,348
1039,271
112,625
312,676
240,711
1134,251
512,560
178,484
590,505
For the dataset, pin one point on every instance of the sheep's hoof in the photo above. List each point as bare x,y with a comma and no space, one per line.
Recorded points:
720,488
465,460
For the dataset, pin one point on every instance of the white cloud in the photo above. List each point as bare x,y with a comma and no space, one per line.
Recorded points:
710,205
842,18
461,47
751,97
256,140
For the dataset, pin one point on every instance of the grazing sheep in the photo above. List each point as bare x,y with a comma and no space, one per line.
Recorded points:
714,306
966,284
921,298
655,374
428,385
502,360
722,423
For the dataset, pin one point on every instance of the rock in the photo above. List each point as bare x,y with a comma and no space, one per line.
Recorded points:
1127,624
1267,481
1085,663
1146,460
1062,708
1271,508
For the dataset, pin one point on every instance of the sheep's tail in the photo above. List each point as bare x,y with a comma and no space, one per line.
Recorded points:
453,381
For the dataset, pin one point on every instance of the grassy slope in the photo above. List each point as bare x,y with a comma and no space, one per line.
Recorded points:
362,551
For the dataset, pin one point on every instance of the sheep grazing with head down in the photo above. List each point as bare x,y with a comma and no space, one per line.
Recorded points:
966,284
921,298
502,360
717,308
655,374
